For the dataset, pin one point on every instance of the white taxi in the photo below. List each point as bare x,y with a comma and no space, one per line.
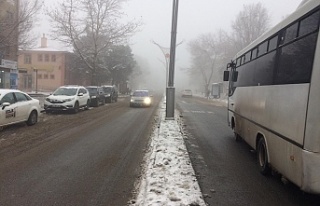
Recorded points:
17,106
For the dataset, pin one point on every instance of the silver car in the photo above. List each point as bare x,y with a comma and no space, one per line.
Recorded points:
141,98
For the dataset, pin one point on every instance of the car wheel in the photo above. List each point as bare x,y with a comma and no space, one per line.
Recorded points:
88,105
262,154
33,118
76,108
96,103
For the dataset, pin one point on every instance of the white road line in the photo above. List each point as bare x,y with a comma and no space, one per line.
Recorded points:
198,112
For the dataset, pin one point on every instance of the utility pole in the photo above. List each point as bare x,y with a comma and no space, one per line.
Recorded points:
170,91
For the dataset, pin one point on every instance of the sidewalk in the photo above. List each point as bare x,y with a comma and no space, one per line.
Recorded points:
168,179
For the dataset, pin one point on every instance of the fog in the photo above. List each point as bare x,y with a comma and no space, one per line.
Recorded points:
194,18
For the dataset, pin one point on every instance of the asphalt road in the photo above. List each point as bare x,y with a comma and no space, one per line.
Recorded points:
90,158
227,170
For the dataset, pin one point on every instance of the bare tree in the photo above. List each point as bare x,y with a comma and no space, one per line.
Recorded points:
250,23
28,11
209,53
16,24
91,28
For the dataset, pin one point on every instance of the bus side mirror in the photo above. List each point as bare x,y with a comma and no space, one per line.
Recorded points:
226,75
235,76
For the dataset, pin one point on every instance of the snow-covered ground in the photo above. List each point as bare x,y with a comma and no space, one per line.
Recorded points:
169,178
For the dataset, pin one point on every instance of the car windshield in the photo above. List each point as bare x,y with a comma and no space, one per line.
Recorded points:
92,90
140,94
65,91
107,89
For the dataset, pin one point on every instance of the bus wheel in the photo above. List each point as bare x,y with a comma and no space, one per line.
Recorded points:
263,157
236,135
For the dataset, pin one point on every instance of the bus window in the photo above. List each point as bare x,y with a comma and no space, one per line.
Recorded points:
273,43
254,53
238,62
262,49
309,24
291,33
247,57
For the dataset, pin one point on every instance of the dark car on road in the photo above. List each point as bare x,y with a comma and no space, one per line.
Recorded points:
110,93
97,96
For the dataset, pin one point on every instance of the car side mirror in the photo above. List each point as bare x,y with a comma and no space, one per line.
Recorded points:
5,104
80,94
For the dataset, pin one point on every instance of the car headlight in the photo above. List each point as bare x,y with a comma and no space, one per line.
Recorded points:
69,100
108,95
147,100
131,100
48,99
93,97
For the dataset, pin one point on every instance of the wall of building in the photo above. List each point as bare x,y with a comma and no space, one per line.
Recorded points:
44,70
8,43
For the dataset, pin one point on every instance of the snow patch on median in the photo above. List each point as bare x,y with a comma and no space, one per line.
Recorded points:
169,178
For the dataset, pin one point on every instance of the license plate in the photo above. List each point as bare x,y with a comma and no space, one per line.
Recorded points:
56,105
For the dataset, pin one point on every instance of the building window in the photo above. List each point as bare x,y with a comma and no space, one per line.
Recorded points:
46,57
53,58
27,59
51,76
39,76
45,76
40,59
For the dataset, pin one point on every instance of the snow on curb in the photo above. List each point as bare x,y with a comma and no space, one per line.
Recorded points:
169,178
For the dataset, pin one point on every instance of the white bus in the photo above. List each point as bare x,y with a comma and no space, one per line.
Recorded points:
274,97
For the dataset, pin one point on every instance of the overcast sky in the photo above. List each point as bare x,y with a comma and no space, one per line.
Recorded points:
195,17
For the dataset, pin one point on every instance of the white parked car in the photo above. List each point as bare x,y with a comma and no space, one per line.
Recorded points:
17,106
187,93
68,98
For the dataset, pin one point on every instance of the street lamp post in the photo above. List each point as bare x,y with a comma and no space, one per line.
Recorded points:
36,78
166,54
170,92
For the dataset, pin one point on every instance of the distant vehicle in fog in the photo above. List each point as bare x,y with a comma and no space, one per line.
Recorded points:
186,93
140,98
